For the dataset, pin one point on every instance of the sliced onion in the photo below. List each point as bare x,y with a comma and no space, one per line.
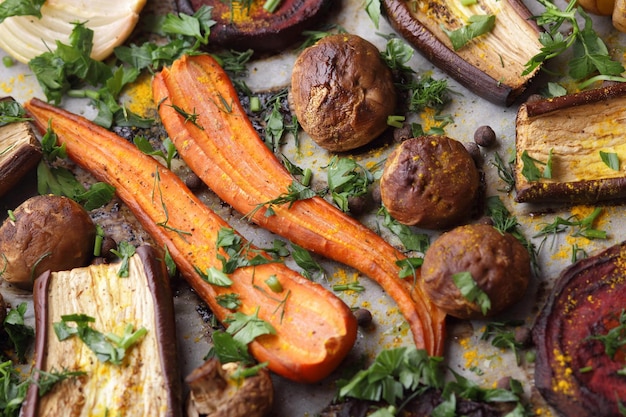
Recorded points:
25,37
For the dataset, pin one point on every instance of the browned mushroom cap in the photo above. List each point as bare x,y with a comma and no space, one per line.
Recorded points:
498,263
342,92
430,182
48,232
215,392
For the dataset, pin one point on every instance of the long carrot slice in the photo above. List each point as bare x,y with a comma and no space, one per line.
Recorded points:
222,147
314,329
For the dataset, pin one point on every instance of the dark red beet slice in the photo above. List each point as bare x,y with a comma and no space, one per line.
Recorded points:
257,29
573,372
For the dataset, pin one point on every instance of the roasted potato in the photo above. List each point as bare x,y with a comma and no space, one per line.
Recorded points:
498,263
429,182
342,92
44,233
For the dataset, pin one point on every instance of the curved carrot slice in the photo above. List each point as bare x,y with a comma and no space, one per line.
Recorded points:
222,147
314,329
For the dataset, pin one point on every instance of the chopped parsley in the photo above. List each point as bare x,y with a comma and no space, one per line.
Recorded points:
107,347
478,25
471,291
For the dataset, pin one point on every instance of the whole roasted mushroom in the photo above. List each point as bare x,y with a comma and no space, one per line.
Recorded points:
429,182
216,392
497,262
45,232
342,92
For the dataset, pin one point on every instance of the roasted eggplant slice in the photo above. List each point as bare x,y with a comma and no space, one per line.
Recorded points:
577,135
576,371
490,65
19,151
240,27
147,381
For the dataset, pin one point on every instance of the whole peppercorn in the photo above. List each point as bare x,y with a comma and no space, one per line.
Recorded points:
485,136
363,317
193,182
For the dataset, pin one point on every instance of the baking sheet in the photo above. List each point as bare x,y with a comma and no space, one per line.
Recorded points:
465,352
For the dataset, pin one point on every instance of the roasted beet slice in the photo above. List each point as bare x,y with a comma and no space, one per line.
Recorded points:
490,65
573,371
255,28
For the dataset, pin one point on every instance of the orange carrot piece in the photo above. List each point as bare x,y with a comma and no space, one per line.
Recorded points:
314,329
222,147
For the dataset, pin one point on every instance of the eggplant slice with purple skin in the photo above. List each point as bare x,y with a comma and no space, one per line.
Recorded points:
490,65
147,382
574,372
576,133
241,28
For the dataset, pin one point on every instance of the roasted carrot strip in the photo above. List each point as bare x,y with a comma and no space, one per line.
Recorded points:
222,147
314,329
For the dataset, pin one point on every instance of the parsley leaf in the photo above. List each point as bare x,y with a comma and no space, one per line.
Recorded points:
304,260
412,241
615,338
530,170
11,111
12,390
59,180
392,372
471,291
478,25
107,347
590,54
19,332
372,8
232,345
10,8
124,251
346,179
610,159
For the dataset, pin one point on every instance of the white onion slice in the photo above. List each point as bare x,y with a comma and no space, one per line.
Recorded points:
25,37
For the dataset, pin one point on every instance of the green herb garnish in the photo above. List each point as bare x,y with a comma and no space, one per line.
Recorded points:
590,54
11,111
232,345
471,291
351,286
478,25
346,179
230,301
610,159
124,251
411,241
20,334
107,347
303,258
531,171
10,8
615,338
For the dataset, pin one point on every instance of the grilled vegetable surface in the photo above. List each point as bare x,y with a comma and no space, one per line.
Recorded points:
154,194
147,379
248,25
246,174
580,337
573,132
490,65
